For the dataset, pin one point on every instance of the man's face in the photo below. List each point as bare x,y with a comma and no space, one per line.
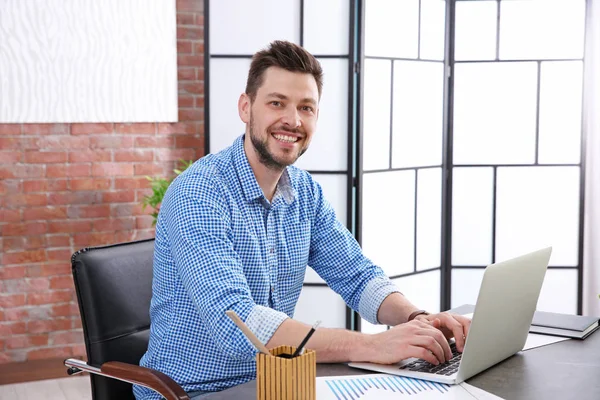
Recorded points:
283,116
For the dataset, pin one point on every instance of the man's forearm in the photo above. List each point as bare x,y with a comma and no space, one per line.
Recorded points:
331,345
341,345
395,310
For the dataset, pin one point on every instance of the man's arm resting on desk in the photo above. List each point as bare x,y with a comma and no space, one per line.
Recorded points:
414,339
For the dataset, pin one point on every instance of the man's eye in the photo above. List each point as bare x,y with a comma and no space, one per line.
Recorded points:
276,103
307,108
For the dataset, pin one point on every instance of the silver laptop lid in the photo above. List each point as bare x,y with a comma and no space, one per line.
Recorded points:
505,306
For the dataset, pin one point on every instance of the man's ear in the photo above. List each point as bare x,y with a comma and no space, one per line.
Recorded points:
244,108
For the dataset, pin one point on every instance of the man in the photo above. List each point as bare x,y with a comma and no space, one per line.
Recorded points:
236,232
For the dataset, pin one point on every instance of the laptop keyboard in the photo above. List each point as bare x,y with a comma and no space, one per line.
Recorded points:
447,368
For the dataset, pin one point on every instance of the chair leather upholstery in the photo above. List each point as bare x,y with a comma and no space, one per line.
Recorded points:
114,289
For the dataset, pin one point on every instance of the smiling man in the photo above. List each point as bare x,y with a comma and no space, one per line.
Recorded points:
237,230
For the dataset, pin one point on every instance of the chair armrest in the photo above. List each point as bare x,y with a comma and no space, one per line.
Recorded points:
134,374
150,378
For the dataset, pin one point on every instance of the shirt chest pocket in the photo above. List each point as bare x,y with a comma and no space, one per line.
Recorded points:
297,246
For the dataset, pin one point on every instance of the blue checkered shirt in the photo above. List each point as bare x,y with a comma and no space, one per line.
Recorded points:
221,245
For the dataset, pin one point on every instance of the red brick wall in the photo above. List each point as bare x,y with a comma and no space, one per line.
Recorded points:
68,186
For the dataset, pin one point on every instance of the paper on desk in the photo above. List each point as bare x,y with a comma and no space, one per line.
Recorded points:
384,386
535,339
479,394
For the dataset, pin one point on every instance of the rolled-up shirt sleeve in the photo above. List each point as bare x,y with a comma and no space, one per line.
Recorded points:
264,321
337,258
374,294
211,271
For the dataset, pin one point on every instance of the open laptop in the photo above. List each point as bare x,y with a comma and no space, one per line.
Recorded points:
503,313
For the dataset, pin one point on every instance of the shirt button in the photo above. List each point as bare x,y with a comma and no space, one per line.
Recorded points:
272,288
272,250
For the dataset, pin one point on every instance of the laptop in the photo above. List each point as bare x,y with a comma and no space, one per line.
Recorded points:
503,313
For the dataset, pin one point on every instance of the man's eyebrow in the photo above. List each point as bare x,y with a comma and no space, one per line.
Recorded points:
284,97
309,100
278,95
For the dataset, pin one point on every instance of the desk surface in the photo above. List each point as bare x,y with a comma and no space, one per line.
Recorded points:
564,370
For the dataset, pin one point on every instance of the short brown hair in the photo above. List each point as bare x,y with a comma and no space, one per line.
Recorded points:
286,55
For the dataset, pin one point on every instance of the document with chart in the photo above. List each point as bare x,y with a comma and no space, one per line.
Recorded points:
383,386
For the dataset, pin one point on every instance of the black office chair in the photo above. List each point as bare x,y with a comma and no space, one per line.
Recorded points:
114,288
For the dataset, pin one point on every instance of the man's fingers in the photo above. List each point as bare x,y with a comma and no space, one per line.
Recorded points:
431,346
466,323
438,336
422,353
457,330
459,326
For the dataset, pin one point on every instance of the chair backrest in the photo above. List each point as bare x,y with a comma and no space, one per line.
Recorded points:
114,288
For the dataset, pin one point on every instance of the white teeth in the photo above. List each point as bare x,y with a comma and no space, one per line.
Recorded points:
287,139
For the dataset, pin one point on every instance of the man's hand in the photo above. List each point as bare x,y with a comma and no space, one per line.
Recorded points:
413,339
451,325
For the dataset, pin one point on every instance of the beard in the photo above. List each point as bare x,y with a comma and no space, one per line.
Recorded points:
266,157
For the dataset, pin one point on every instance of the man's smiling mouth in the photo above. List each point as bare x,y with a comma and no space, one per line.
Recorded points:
285,138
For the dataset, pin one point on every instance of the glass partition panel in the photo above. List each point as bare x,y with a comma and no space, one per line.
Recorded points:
392,28
429,218
376,117
495,113
326,26
334,187
312,277
541,29
417,113
367,327
310,307
228,82
244,27
388,220
516,106
472,216
538,207
559,292
433,29
423,290
329,146
560,112
475,30
465,285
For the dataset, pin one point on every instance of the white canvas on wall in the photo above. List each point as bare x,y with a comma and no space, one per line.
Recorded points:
88,61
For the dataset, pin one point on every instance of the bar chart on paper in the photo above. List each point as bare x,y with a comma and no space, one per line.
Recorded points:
383,386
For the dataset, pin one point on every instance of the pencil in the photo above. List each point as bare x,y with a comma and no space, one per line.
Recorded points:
300,349
247,332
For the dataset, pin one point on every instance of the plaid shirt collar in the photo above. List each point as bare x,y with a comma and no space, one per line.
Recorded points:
250,187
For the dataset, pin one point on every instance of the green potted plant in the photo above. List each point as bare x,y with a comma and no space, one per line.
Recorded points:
159,186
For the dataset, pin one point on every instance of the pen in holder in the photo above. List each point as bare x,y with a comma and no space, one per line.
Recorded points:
280,376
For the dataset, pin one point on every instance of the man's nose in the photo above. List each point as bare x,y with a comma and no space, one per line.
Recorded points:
291,118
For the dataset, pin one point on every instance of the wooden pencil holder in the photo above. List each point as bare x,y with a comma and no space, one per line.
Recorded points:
279,378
